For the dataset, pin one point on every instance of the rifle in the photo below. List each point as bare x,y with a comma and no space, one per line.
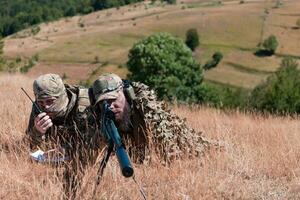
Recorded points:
112,136
35,105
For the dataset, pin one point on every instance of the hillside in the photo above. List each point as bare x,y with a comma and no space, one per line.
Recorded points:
260,158
78,45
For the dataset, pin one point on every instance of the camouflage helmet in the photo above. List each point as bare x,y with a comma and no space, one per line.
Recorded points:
107,86
51,85
48,85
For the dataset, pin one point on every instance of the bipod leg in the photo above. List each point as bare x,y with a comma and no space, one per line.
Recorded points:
140,188
102,167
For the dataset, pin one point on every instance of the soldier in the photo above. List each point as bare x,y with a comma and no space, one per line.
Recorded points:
145,124
67,123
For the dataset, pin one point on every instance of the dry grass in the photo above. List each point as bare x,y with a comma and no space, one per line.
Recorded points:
260,158
227,74
281,22
269,64
75,72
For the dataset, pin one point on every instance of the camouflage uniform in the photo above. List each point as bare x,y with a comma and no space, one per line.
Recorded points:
76,132
153,128
156,129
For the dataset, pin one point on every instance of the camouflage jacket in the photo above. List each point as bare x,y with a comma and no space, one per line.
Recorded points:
77,131
156,130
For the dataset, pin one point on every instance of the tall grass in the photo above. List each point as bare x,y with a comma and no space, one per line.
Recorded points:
259,159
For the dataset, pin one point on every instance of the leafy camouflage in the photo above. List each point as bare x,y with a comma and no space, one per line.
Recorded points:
164,133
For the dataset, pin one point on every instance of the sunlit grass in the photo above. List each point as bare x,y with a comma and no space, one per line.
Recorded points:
259,158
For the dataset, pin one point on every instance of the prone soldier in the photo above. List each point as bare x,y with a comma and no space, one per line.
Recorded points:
146,125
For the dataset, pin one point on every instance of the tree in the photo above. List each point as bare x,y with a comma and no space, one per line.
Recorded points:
166,64
170,1
2,62
281,92
270,44
192,39
216,58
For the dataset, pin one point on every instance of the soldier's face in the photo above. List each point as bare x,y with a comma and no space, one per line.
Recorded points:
46,103
117,105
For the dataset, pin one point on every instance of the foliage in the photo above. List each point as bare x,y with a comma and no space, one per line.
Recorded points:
2,61
281,92
298,23
278,3
19,14
166,64
170,1
224,96
31,62
270,44
216,58
192,39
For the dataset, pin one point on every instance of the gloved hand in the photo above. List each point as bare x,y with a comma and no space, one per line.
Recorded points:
42,123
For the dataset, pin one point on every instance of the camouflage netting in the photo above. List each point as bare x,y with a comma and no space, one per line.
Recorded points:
169,135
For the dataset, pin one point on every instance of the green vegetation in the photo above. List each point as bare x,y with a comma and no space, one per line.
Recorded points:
192,39
216,58
278,4
281,92
2,62
166,64
226,96
29,64
269,46
298,23
170,1
19,14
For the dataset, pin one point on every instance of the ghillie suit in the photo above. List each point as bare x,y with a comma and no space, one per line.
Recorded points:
156,130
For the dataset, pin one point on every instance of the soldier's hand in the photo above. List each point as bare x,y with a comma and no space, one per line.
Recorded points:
42,122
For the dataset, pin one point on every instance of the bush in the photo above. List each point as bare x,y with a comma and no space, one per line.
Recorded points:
278,4
298,23
2,61
35,30
169,1
281,92
28,66
270,44
192,39
216,58
166,64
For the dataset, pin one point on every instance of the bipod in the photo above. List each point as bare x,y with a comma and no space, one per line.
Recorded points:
102,167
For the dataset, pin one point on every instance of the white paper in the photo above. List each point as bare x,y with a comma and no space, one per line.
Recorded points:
41,156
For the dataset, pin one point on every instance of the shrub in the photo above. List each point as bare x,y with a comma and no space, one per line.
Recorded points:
166,64
281,92
192,39
2,61
270,45
298,23
216,58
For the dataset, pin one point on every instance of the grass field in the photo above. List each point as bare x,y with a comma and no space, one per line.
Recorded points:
260,158
106,36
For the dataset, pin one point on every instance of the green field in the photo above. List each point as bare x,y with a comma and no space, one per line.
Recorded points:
232,28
